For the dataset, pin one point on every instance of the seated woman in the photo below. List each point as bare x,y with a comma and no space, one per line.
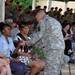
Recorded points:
67,36
72,30
4,65
25,53
7,46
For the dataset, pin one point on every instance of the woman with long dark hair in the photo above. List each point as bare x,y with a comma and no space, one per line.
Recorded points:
67,36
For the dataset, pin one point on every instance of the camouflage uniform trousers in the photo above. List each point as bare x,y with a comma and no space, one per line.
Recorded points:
53,63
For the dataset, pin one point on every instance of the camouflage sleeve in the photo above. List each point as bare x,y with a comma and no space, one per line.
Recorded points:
38,35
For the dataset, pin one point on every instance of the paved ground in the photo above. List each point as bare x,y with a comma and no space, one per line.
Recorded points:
65,69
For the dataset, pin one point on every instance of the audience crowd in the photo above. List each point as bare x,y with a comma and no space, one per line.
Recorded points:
22,22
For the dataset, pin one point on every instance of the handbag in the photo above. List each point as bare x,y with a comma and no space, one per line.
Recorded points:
14,55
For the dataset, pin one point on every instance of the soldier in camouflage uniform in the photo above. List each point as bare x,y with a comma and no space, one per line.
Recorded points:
50,37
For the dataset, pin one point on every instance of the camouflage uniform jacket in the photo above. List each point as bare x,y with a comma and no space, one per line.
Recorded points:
50,33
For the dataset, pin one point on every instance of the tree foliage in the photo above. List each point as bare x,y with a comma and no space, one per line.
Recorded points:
24,3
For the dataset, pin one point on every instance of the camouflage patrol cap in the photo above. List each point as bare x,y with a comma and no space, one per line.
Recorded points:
9,21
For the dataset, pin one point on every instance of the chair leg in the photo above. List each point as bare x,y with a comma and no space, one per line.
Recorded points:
69,68
60,72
